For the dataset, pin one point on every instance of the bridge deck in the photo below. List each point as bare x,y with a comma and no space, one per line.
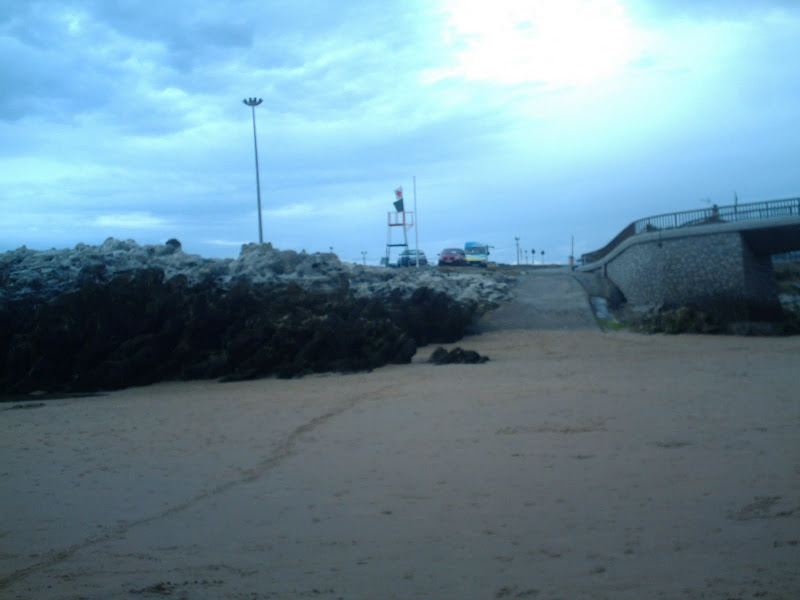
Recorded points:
779,218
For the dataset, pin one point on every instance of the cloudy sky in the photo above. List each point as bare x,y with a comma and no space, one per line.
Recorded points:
537,119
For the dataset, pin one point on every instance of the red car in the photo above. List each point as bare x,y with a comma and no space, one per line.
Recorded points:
450,257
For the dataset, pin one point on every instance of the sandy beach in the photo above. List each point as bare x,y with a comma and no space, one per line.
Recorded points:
574,464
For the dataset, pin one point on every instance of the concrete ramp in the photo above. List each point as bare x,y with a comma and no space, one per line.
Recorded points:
544,299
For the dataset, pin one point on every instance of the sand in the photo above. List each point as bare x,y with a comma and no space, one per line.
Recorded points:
575,464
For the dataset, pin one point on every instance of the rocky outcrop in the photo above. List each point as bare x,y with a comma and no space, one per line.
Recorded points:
110,316
44,274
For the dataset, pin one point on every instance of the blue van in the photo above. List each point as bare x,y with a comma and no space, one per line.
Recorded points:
477,254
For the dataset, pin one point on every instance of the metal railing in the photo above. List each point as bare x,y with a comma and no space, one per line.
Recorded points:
769,209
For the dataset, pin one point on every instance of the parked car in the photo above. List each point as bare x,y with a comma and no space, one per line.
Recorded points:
408,258
452,257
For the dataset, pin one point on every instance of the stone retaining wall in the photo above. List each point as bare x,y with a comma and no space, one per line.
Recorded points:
717,273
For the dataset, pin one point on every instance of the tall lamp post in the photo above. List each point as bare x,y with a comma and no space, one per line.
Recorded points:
252,103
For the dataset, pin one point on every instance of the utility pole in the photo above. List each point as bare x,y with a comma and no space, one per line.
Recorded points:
516,239
364,257
416,221
572,252
252,103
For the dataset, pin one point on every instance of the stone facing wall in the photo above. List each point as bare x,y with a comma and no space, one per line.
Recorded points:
711,272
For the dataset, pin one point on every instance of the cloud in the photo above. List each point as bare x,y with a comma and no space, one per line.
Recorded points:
227,243
522,118
129,221
567,43
71,61
704,11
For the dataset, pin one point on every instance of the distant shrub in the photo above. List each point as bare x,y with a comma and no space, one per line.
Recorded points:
788,271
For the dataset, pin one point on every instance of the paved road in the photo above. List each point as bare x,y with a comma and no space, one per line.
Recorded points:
543,299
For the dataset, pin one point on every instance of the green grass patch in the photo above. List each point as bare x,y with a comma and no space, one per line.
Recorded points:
611,324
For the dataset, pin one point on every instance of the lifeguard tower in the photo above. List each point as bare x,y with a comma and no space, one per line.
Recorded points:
401,220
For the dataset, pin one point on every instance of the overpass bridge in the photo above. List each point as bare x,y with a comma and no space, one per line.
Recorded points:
717,259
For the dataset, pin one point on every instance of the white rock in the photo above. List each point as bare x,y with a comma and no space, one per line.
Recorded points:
26,273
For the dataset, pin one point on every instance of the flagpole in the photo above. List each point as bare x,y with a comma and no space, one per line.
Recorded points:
416,220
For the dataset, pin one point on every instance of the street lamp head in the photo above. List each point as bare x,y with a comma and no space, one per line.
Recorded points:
253,101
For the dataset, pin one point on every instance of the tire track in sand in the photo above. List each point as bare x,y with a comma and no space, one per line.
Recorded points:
281,451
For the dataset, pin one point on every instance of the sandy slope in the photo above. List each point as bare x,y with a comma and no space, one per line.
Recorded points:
575,464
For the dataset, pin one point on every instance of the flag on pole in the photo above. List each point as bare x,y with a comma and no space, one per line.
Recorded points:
398,204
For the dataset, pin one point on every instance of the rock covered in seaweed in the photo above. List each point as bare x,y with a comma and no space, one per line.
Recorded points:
120,314
440,356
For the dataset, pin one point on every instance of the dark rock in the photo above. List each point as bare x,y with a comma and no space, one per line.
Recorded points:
440,356
136,329
92,274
